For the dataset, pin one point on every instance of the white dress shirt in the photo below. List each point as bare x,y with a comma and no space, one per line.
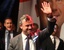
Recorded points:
6,38
31,43
57,41
11,35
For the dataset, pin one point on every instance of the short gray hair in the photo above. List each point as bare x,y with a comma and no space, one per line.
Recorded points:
25,17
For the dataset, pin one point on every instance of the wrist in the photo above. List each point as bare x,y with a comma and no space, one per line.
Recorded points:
51,19
49,15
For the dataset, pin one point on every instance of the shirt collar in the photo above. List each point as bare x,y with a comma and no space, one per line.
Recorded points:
23,36
51,36
6,31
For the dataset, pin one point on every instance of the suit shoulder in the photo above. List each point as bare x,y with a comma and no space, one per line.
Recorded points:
15,38
61,40
14,41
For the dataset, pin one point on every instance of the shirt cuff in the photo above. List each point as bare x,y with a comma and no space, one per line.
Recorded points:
51,19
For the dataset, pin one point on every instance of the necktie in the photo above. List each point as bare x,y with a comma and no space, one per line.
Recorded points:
8,39
54,43
27,44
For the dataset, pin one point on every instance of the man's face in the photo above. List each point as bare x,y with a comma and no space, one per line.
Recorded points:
8,24
57,9
26,27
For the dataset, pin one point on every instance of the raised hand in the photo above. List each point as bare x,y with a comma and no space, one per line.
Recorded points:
46,8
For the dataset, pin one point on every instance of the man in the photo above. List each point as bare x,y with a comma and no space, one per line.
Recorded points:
8,33
50,44
19,42
57,10
35,30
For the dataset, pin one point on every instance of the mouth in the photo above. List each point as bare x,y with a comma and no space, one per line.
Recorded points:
29,30
56,16
9,27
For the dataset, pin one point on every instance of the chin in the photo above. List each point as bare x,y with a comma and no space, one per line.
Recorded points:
28,32
9,29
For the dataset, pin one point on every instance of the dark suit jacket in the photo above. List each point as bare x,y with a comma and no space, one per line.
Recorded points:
3,39
16,42
48,45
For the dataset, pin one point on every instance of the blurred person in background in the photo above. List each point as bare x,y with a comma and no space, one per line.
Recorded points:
35,30
53,42
57,10
9,32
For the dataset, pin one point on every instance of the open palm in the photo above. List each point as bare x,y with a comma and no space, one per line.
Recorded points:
46,8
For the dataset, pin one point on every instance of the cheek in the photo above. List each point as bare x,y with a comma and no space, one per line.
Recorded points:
60,20
24,28
61,7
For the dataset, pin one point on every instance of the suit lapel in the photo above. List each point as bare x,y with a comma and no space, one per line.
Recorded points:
50,41
20,43
50,44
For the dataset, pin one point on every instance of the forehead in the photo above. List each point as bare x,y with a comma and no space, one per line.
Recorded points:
24,22
8,20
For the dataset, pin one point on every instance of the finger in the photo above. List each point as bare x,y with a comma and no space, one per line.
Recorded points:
42,9
43,5
48,4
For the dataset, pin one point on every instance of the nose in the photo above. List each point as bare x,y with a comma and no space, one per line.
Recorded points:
54,10
30,27
54,7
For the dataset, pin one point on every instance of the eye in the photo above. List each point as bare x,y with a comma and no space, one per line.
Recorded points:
29,25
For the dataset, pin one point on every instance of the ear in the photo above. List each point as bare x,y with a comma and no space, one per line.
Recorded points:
21,26
36,9
4,24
